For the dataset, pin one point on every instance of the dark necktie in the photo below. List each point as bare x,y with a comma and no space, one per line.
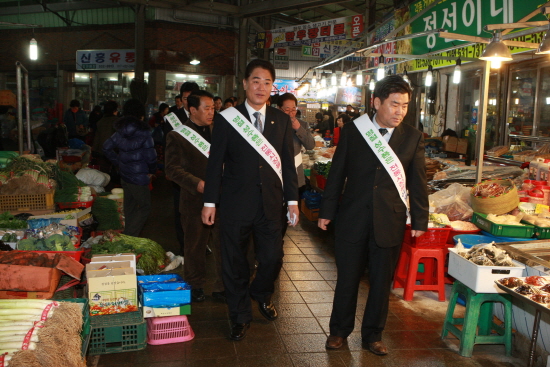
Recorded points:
258,122
383,131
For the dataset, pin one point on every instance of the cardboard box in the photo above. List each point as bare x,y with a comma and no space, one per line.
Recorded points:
7,98
20,281
164,311
481,279
311,214
112,287
455,145
128,260
70,221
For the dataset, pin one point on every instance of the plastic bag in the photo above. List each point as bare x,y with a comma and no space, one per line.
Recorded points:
454,201
93,177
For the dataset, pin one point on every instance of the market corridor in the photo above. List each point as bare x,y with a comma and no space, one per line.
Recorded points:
304,299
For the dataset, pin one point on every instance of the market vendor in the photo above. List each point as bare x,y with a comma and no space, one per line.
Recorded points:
378,162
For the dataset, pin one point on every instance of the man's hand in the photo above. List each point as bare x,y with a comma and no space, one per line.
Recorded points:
417,233
295,123
323,223
208,214
200,187
294,213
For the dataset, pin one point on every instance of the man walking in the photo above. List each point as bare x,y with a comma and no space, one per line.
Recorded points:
250,172
378,162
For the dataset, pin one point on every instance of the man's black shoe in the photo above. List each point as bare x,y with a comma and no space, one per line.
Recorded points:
208,250
268,310
219,296
197,295
238,331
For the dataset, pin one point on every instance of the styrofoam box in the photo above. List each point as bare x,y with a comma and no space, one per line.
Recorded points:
481,279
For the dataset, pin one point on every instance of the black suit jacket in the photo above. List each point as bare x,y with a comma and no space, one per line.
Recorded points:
235,170
368,186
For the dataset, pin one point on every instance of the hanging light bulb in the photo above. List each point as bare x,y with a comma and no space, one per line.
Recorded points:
359,78
457,73
33,49
333,80
371,84
406,76
381,71
323,80
429,77
343,79
496,64
314,80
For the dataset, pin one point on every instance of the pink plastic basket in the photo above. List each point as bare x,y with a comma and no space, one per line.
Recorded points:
167,330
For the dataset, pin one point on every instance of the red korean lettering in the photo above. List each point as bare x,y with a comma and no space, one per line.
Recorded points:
325,31
339,28
301,34
115,57
313,33
130,57
289,36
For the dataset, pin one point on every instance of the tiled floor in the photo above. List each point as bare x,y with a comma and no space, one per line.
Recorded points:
304,299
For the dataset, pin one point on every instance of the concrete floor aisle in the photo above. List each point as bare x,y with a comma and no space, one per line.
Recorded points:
303,297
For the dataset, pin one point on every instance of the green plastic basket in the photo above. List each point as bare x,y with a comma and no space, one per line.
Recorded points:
502,230
118,333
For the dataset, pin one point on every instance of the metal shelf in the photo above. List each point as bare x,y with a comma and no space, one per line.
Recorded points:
536,139
506,161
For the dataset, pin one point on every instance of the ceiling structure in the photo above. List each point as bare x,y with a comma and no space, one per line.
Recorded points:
287,12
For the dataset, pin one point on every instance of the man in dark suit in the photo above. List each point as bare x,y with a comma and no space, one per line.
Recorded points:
183,115
371,216
178,109
186,166
250,196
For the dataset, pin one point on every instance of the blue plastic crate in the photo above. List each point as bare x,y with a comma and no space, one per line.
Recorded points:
166,290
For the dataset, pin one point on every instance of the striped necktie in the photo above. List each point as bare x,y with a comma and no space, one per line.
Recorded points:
258,122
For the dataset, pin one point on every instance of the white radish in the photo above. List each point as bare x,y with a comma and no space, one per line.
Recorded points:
24,304
13,338
15,346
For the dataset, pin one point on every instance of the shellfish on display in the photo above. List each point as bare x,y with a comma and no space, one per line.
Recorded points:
535,280
524,289
511,282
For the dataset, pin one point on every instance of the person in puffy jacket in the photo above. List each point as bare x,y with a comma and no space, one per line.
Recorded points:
131,149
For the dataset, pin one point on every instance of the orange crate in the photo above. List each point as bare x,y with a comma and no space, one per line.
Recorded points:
27,203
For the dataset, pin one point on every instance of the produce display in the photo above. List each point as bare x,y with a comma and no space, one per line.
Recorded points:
490,189
24,176
8,221
54,237
152,254
536,288
508,219
106,213
40,333
485,255
70,189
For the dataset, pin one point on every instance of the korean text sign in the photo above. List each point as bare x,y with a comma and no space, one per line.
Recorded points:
99,60
306,34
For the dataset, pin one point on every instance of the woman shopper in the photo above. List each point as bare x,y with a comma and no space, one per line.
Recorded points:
131,149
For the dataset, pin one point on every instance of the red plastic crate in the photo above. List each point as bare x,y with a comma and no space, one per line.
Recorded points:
434,237
170,329
75,204
74,254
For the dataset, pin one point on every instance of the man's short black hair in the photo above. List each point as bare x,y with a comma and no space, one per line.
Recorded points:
133,107
217,98
391,84
110,107
285,97
259,63
177,97
194,99
228,100
189,87
74,103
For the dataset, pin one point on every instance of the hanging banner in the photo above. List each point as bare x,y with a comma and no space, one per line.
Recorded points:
306,34
281,59
105,60
282,86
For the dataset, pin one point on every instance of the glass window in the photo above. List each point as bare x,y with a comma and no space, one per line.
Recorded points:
175,80
544,103
521,106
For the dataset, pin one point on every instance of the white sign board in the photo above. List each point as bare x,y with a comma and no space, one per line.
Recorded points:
100,60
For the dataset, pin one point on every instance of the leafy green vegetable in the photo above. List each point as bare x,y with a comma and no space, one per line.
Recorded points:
26,244
8,221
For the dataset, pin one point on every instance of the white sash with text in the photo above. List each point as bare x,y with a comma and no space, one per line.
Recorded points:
189,134
254,138
385,155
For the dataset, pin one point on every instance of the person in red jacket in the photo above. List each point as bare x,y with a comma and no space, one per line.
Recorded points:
340,122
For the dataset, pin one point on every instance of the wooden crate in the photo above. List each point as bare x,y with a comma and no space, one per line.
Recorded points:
34,204
311,214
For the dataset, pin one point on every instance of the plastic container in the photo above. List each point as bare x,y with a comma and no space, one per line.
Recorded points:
527,185
434,237
502,230
76,204
546,191
500,239
543,170
167,330
454,233
117,333
536,196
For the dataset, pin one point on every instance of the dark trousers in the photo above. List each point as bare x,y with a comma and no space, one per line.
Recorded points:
197,236
137,207
351,260
235,240
177,216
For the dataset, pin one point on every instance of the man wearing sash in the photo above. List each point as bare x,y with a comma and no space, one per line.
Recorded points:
187,149
372,212
250,173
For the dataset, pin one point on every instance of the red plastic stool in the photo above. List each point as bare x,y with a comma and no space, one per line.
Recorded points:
407,274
